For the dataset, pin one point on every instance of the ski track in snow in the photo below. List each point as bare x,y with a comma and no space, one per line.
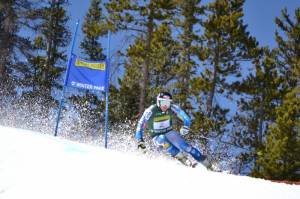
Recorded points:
35,166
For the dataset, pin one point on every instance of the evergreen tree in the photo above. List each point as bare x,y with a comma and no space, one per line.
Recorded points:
260,95
288,39
163,68
186,21
141,18
94,28
227,43
13,46
279,159
8,30
50,42
163,59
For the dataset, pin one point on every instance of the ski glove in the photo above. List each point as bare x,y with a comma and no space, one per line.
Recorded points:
184,130
142,146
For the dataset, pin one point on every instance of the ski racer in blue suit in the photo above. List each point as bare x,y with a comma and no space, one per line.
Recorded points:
158,120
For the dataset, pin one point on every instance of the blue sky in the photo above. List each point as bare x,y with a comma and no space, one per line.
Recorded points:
260,16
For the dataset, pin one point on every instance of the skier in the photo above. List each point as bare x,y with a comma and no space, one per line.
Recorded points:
158,119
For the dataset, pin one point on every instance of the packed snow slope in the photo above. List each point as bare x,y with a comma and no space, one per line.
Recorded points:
35,166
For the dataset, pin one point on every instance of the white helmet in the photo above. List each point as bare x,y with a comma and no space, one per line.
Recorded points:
164,98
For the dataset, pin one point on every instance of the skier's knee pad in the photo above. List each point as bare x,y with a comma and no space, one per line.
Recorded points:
161,141
172,150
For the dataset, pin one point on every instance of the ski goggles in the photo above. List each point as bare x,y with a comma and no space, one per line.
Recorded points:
165,102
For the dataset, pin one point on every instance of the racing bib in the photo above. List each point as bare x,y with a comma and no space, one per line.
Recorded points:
161,125
162,122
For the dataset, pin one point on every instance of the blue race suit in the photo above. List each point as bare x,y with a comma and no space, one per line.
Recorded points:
159,124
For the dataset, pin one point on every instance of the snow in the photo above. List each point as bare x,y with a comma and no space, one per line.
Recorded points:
35,165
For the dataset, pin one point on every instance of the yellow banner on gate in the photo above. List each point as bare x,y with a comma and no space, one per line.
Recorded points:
90,65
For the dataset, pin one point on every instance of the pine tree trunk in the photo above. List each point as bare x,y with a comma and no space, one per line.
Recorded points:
4,64
2,69
145,69
51,45
211,93
260,124
216,61
186,82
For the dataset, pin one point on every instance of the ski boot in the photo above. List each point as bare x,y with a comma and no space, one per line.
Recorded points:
185,160
210,165
206,163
